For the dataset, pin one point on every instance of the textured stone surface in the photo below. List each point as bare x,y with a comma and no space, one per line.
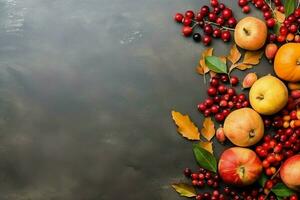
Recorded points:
86,90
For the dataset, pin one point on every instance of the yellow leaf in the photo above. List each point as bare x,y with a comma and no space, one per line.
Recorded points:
206,52
208,130
200,70
243,66
207,146
252,57
223,59
279,16
185,126
184,189
234,55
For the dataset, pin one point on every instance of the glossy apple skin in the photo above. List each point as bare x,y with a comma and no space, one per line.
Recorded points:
239,166
290,172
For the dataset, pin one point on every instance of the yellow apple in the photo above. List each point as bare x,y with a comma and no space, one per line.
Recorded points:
250,33
268,95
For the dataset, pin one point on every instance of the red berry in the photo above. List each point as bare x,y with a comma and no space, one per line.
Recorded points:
211,91
281,9
201,107
187,31
227,13
222,89
269,184
271,158
277,2
267,15
230,104
216,33
220,21
272,37
204,10
208,102
283,30
207,112
217,10
214,109
297,13
199,16
223,103
225,97
194,182
271,22
293,114
243,2
231,22
246,9
224,78
245,104
187,21
226,36
217,99
242,97
281,38
199,197
291,18
226,112
265,8
208,29
222,6
201,176
206,40
194,176
212,16
219,117
293,28
187,172
214,82
214,3
259,3
178,17
234,80
231,91
189,14
294,197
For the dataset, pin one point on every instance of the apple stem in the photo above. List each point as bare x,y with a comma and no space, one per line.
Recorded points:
252,133
246,31
298,61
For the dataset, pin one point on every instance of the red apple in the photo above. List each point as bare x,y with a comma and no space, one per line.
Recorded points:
290,172
239,166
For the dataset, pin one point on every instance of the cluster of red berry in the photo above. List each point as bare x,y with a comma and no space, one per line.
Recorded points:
203,178
222,98
284,143
216,22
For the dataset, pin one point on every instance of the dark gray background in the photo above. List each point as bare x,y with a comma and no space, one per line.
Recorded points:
86,90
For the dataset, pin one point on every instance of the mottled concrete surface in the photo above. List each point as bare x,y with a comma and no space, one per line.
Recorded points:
86,90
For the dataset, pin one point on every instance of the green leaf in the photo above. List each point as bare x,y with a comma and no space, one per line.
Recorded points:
281,190
276,28
289,7
262,180
184,189
215,64
205,159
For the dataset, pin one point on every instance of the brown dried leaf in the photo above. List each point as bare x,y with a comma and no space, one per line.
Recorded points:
184,189
279,16
206,52
185,126
223,59
200,70
234,55
207,146
208,130
243,66
252,57
212,74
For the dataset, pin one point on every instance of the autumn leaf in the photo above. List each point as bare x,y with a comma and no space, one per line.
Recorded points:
208,130
279,16
185,126
207,146
252,57
234,54
243,66
212,74
184,189
202,67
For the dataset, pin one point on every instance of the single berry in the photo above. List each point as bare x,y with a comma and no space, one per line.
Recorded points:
243,2
225,36
267,15
178,17
204,10
186,21
222,6
214,3
189,14
214,109
227,13
220,21
234,80
283,30
187,31
212,91
222,89
212,16
246,9
206,40
201,107
293,28
187,172
231,22
197,37
219,117
207,29
216,33
214,82
209,102
217,10
281,38
271,22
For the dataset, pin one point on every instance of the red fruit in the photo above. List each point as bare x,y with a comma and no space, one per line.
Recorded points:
281,9
214,82
227,13
208,102
211,91
207,29
219,117
217,10
222,89
201,107
199,17
220,21
297,38
222,6
187,31
223,103
231,91
217,99
206,40
265,164
178,17
225,97
245,104
194,176
226,112
207,112
226,35
189,14
243,2
283,30
272,37
271,22
230,104
293,28
224,78
214,3
290,173
234,80
291,18
220,135
187,21
281,38
214,109
267,15
259,3
231,22
297,13
239,166
242,97
294,197
216,33
204,10
246,9
212,16
269,184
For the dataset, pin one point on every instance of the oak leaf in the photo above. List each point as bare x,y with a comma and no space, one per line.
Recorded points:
203,69
252,57
208,130
185,126
184,189
279,16
234,55
207,146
